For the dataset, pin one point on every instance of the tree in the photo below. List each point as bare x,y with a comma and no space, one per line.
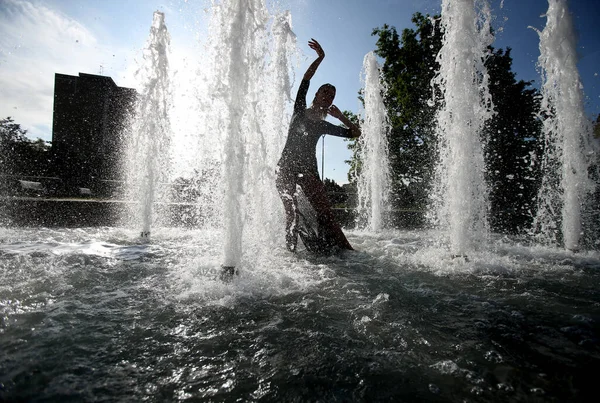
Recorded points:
512,149
18,154
409,65
354,146
337,195
11,132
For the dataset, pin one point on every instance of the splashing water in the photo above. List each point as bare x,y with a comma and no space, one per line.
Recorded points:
567,134
246,113
460,195
277,96
238,78
87,314
147,164
374,177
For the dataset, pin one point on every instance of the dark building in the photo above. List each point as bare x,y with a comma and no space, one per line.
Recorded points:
90,113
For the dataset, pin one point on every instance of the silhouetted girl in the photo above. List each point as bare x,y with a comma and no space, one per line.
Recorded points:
298,163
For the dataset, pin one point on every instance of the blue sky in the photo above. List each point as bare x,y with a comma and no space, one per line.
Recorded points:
41,37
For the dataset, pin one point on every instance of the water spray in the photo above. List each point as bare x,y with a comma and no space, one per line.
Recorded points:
460,194
567,133
374,177
147,164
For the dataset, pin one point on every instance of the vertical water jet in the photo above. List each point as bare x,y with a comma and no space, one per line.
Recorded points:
566,133
148,153
374,177
276,97
247,98
460,194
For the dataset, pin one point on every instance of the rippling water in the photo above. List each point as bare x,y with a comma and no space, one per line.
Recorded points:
93,315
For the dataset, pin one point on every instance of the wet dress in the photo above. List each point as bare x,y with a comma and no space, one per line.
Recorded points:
298,161
299,155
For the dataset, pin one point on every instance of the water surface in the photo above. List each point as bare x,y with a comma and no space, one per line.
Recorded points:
94,315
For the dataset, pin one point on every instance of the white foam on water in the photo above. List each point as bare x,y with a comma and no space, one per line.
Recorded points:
420,251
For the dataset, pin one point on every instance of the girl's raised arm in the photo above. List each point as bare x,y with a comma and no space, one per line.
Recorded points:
310,72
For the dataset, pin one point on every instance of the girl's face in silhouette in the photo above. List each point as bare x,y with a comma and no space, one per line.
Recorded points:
324,96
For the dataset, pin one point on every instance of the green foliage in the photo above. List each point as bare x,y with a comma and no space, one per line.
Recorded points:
18,154
512,148
354,146
11,133
336,194
408,68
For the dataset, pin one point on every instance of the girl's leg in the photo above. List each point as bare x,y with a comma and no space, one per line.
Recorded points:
287,192
315,192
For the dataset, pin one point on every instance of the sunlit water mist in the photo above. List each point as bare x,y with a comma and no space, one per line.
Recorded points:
460,199
243,22
248,80
374,177
148,146
277,92
567,134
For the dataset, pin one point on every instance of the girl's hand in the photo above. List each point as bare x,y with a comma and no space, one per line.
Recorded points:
335,112
313,44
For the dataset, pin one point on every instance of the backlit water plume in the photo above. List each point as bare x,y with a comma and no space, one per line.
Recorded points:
374,176
460,195
567,133
148,151
248,75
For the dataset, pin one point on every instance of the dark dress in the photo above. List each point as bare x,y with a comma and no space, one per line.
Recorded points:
298,161
299,154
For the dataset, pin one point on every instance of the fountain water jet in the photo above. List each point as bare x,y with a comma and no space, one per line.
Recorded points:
247,113
234,142
460,194
147,164
277,91
374,176
567,133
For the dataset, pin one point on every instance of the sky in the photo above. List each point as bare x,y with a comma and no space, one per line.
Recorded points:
39,38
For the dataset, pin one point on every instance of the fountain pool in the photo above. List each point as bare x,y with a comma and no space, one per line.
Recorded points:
98,314
91,314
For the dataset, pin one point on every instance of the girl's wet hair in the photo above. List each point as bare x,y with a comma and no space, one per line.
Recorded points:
326,86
